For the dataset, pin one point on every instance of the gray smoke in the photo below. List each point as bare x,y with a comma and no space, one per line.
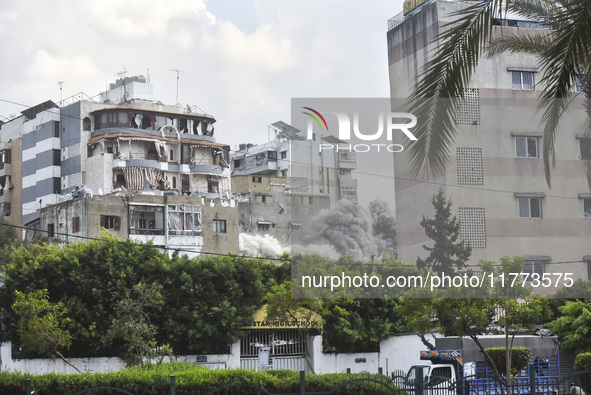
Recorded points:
346,226
383,227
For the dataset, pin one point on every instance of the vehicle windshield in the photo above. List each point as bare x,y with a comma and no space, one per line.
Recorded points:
411,376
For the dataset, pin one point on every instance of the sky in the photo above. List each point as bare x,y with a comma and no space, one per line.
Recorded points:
240,60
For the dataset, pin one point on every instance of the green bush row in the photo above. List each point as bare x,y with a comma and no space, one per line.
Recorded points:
190,379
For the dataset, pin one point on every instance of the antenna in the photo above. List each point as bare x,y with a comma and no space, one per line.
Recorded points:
177,83
122,73
60,83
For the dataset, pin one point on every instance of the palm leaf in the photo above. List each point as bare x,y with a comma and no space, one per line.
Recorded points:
442,82
562,61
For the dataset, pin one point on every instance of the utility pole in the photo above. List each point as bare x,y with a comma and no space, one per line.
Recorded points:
177,83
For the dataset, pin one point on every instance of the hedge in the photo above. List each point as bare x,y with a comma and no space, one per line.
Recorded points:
190,379
520,357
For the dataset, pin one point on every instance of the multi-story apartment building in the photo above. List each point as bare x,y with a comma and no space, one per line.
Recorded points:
93,158
305,168
267,207
495,173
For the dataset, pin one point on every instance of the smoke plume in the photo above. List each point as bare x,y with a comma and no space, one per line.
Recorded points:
383,227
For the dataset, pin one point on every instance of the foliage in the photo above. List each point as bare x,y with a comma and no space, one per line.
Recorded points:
583,364
563,54
448,250
358,325
573,326
209,298
132,324
190,379
520,357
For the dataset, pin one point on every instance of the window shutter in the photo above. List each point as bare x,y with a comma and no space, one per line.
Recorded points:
117,223
102,221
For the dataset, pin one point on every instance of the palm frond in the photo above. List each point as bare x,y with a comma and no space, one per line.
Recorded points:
442,82
534,44
561,62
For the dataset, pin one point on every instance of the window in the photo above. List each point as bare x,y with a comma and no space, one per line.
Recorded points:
530,207
57,157
587,207
283,155
257,179
75,224
586,148
51,230
56,129
57,185
523,80
534,267
272,156
295,226
310,200
264,226
219,226
283,173
264,199
86,124
111,222
182,220
526,147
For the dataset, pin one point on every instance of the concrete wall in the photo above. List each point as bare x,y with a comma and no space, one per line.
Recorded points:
397,353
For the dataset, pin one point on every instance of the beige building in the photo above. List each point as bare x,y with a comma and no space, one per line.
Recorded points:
267,206
495,174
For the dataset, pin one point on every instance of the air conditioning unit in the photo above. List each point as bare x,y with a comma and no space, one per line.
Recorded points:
11,186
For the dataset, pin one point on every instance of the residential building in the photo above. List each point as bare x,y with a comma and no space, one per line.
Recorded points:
495,174
106,160
267,206
305,168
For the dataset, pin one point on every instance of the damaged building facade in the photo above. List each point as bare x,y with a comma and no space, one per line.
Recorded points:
283,184
123,162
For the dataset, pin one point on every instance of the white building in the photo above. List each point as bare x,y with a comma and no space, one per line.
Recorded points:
120,143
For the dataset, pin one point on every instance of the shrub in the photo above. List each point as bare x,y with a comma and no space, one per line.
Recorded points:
583,364
520,357
190,379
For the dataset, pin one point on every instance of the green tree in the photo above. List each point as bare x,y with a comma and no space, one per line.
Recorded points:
41,325
133,326
573,326
448,250
564,60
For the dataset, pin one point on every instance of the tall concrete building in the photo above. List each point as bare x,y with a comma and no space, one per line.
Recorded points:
495,173
70,169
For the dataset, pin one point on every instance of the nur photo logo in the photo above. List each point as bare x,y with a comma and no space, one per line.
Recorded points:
348,126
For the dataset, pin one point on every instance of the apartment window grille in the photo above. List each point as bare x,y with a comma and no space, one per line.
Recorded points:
473,226
530,207
468,108
523,80
263,226
526,147
257,179
470,170
219,226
